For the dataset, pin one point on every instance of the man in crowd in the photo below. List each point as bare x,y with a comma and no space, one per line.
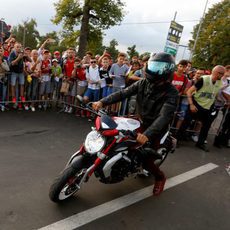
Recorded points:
201,98
68,67
45,85
16,68
93,77
118,71
222,139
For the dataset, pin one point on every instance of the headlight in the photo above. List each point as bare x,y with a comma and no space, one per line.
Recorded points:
94,142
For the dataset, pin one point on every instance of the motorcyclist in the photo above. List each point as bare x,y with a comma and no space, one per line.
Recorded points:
156,103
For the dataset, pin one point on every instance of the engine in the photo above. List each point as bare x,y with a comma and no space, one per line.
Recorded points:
118,166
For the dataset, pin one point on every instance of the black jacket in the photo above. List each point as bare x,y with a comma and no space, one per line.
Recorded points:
155,104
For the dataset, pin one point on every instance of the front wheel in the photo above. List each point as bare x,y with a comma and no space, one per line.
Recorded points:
67,183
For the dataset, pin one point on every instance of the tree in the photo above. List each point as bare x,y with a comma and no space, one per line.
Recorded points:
95,14
145,54
95,43
213,44
27,33
131,51
112,50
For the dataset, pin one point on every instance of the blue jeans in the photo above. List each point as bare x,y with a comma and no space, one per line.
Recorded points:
106,91
3,90
123,107
92,94
19,76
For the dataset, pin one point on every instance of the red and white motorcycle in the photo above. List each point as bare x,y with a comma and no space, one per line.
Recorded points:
110,151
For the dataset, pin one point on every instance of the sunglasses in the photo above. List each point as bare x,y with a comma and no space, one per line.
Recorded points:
93,62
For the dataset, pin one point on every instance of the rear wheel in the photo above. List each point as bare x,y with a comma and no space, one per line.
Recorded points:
67,183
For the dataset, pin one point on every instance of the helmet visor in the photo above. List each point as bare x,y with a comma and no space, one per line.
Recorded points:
160,68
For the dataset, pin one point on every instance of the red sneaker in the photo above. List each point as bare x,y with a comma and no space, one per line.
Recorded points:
14,100
19,106
159,187
23,99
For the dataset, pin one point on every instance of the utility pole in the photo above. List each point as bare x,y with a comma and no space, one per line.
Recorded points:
2,39
174,19
24,36
198,32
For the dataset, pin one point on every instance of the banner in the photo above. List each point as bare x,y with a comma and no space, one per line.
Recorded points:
173,38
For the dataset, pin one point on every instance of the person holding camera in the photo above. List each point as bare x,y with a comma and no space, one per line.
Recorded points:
17,67
3,79
80,75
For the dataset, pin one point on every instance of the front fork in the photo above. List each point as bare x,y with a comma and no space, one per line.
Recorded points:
89,171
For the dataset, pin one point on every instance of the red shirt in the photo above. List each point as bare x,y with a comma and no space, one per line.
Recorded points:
45,67
80,74
68,67
179,82
6,53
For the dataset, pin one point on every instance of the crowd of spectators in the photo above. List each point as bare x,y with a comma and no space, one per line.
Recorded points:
31,79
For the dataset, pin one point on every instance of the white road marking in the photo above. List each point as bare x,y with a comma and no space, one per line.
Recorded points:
107,208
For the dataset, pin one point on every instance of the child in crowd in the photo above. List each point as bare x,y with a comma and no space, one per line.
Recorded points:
45,84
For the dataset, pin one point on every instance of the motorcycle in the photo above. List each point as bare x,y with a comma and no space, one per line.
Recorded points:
111,152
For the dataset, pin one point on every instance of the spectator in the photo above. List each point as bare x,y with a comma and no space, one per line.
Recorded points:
179,79
16,68
118,71
4,68
181,83
56,73
79,74
134,59
27,51
45,85
199,72
201,97
57,56
92,75
68,67
36,74
106,80
223,136
6,50
131,78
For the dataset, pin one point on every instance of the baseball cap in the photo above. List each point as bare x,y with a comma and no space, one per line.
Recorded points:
45,51
56,52
54,60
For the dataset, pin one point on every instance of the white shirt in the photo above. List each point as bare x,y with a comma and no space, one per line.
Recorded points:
92,74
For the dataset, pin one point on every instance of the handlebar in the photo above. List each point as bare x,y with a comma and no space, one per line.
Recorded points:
88,107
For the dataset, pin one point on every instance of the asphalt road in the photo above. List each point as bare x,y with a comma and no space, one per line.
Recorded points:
34,147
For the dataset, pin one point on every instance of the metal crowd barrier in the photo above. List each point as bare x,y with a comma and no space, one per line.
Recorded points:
120,109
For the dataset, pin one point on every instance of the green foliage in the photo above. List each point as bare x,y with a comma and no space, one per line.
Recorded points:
131,51
90,18
213,44
69,38
95,42
27,33
145,54
112,50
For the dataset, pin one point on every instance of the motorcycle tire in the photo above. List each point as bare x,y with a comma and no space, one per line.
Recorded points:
65,185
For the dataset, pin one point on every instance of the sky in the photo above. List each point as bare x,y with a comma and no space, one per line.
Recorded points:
145,24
